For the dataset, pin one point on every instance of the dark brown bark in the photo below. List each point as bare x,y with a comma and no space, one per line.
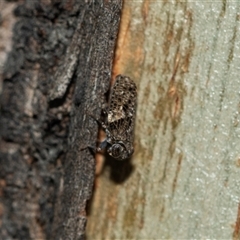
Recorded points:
56,76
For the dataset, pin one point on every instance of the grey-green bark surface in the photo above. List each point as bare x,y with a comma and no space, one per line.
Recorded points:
186,178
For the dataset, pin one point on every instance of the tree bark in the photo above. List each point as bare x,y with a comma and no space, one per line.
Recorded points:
183,180
55,79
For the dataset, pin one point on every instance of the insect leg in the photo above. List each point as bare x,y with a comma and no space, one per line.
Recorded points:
102,145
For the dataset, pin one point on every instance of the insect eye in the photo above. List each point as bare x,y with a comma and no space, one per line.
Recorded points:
116,150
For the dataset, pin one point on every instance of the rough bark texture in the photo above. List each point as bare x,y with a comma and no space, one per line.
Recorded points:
185,181
47,169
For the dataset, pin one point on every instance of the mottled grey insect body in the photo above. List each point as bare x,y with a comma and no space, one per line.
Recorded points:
120,118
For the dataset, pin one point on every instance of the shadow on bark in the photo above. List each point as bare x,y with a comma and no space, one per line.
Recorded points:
120,171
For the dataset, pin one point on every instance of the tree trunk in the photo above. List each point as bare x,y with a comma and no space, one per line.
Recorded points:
183,181
55,80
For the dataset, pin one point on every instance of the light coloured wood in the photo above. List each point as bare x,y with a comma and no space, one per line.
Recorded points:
185,59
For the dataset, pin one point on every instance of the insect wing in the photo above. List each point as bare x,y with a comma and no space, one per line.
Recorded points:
122,109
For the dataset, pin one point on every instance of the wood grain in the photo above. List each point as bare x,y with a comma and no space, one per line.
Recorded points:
184,178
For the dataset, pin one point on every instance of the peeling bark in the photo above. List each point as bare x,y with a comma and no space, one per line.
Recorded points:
47,169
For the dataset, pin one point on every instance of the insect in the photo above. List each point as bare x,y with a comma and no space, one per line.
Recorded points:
120,118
